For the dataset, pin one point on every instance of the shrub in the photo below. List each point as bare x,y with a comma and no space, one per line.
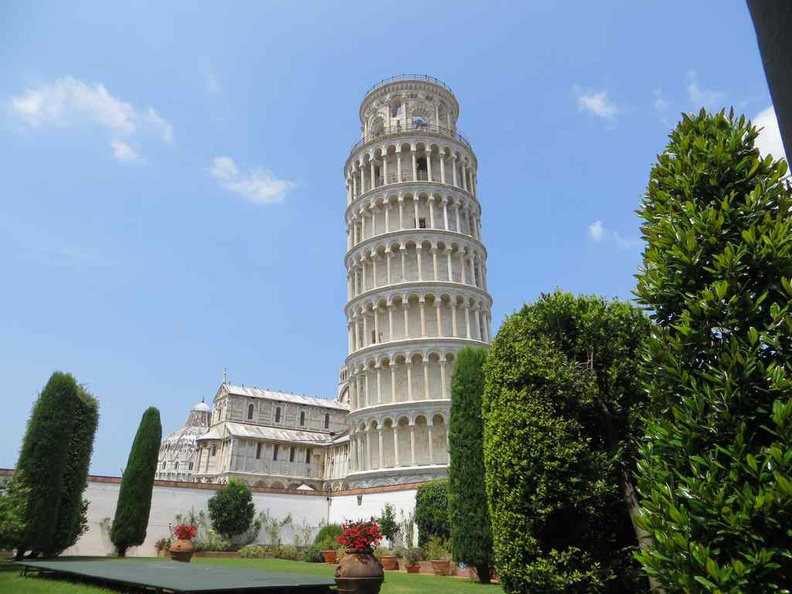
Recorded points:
437,549
471,538
413,556
716,470
327,537
544,495
42,463
214,542
72,511
253,551
231,509
431,510
286,552
313,554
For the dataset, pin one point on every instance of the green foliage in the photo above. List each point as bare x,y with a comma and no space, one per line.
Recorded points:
388,525
716,467
313,554
436,549
214,542
273,527
413,556
561,400
12,514
253,551
42,462
137,484
73,509
471,537
231,508
327,537
431,511
285,552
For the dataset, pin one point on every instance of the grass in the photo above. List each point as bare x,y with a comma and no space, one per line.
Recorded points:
395,582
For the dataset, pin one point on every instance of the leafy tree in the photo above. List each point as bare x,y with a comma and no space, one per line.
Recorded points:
716,470
388,525
137,484
561,406
72,510
471,538
431,511
42,461
12,515
231,509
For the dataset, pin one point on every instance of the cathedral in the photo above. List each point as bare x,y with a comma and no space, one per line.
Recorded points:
416,294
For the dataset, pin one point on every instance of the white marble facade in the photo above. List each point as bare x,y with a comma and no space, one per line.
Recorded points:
416,293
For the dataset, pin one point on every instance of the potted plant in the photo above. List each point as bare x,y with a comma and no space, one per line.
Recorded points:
412,560
437,552
359,571
388,558
162,546
182,548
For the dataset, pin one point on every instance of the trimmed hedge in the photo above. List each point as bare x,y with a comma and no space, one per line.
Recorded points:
431,511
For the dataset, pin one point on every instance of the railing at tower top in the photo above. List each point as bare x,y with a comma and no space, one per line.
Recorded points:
405,77
414,127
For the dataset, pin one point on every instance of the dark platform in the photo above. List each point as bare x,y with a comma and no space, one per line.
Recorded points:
170,576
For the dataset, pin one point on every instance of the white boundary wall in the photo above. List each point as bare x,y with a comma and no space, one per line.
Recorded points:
167,501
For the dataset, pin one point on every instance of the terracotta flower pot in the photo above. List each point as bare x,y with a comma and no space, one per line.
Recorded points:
441,567
359,572
182,550
413,568
330,556
390,562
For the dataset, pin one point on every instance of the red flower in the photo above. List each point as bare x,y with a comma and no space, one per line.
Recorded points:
360,535
185,531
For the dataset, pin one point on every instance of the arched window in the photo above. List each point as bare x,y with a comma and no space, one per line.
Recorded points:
302,418
176,466
214,450
327,420
258,450
250,411
191,466
278,414
396,108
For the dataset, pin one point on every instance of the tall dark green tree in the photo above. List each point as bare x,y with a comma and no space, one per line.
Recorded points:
42,462
562,401
231,509
137,484
715,474
471,538
72,511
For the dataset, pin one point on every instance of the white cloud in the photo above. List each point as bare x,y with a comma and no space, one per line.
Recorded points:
596,231
124,153
596,102
256,185
769,140
71,102
701,97
659,103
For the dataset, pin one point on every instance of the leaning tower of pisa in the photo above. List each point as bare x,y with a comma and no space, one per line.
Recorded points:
416,277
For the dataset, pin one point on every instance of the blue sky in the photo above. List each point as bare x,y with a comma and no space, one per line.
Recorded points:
172,192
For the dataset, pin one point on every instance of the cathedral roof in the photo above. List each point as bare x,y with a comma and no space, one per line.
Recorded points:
227,429
202,407
284,397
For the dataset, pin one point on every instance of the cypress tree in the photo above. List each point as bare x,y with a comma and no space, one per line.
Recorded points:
72,510
137,484
715,473
471,539
42,462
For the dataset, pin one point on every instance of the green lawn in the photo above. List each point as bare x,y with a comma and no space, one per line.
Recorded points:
395,582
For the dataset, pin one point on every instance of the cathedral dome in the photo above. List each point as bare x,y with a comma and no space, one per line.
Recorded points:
177,449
